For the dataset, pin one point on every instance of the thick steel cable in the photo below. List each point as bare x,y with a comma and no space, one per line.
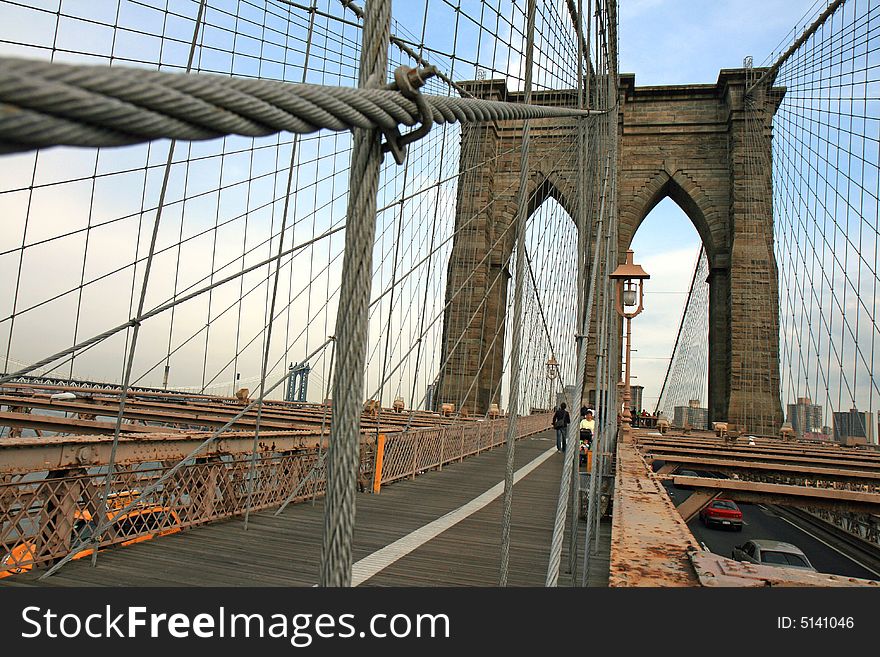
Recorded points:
583,254
48,104
606,398
572,451
520,281
770,73
351,325
568,467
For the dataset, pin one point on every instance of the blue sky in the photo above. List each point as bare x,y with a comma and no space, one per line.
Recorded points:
661,41
686,42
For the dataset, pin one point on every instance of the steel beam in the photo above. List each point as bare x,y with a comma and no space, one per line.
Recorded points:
72,425
21,455
740,465
156,407
171,415
649,539
754,491
664,454
830,451
717,571
695,503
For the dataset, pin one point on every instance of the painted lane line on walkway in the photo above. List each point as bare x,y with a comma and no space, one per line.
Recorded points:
384,557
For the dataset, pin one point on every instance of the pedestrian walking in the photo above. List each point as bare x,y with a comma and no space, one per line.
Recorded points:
561,420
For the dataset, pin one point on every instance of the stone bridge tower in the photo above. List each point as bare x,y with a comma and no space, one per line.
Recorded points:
700,145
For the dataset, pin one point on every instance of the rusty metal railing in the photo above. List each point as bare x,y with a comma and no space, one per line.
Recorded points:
407,454
43,517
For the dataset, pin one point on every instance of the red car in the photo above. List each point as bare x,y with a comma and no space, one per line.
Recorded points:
724,513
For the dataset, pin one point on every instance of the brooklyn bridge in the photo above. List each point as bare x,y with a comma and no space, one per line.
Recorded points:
314,293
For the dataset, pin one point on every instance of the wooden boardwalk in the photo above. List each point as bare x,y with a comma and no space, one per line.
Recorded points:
285,550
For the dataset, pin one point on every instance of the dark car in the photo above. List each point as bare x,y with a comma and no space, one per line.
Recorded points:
722,513
772,553
684,473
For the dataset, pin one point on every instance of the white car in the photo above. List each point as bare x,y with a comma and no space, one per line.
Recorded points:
772,553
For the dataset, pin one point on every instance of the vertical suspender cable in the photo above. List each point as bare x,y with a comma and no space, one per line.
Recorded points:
520,281
584,241
251,479
604,403
351,325
102,508
571,455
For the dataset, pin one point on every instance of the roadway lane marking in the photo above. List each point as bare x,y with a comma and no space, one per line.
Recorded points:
858,563
384,557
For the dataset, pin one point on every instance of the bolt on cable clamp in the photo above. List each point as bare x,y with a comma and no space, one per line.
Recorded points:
407,81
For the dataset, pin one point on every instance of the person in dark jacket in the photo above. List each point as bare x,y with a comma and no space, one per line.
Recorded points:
561,420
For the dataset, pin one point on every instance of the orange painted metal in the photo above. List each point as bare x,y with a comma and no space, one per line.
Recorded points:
377,468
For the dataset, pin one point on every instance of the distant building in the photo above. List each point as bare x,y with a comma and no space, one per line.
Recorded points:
591,399
568,395
804,417
692,414
854,427
636,398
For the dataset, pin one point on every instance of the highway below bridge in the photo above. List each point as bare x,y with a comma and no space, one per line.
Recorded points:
762,521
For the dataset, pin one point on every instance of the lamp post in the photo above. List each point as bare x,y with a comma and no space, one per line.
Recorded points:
552,373
630,293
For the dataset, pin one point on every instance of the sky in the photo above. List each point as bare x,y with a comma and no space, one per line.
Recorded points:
685,42
662,42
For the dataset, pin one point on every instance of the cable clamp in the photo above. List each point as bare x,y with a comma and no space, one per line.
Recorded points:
408,81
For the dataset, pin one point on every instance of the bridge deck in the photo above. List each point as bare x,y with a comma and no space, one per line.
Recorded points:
285,550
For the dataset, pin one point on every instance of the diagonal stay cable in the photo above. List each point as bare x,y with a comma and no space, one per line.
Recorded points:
129,364
157,484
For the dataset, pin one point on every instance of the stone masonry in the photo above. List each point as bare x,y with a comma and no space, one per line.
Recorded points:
700,145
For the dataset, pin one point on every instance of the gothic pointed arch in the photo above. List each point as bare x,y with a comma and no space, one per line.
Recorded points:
687,193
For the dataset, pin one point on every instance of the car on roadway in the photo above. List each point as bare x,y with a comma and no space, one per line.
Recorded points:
141,523
684,473
722,513
772,553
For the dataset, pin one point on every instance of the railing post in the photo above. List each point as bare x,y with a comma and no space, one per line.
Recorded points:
442,443
415,451
207,488
380,459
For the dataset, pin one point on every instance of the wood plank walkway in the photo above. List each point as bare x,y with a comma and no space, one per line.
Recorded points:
285,550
